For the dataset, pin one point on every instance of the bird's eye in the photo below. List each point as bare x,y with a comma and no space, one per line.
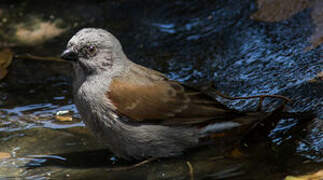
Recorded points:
91,50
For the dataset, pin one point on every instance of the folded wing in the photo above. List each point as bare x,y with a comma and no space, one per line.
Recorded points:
146,95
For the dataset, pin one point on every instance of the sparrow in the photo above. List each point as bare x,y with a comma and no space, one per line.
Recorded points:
138,112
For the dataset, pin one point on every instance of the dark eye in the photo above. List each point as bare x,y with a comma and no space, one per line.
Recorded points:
91,50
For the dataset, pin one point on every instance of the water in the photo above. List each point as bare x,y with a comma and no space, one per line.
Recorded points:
193,42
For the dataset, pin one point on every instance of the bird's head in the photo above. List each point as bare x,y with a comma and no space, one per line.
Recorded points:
94,51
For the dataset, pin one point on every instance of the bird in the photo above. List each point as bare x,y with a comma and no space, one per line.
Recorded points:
138,112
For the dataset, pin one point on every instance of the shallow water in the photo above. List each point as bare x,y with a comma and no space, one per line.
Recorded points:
193,42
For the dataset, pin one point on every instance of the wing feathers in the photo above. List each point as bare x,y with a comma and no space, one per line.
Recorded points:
145,95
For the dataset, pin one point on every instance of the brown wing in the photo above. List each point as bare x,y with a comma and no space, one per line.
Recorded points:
145,95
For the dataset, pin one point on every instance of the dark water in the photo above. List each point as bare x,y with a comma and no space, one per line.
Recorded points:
195,42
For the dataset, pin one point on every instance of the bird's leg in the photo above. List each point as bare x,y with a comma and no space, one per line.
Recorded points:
125,168
190,170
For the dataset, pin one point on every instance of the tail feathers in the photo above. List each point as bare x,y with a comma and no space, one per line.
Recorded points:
238,125
241,126
219,127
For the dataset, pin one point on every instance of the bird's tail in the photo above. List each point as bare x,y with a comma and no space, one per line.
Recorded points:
240,125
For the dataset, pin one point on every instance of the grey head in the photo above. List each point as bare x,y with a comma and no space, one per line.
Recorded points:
94,51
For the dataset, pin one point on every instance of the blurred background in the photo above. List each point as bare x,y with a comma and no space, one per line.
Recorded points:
243,48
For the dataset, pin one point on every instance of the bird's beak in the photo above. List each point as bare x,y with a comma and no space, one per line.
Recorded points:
69,55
